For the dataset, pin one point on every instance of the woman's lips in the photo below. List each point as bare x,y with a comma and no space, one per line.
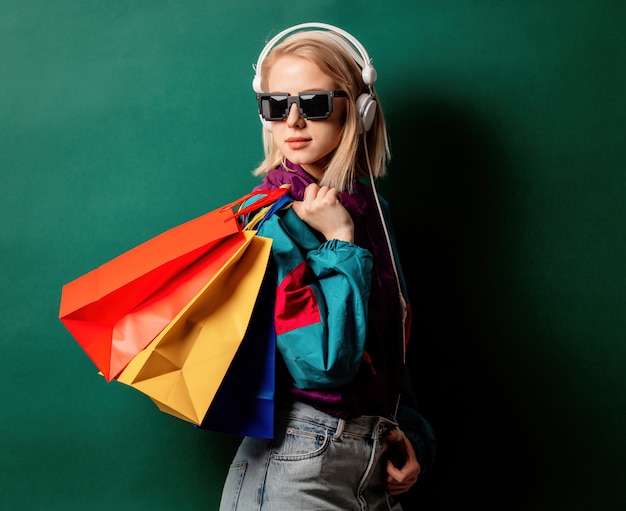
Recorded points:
297,142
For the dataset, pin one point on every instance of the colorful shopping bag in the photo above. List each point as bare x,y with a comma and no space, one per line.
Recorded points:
182,369
244,402
116,310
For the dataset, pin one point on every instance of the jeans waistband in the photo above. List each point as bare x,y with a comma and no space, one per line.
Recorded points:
366,426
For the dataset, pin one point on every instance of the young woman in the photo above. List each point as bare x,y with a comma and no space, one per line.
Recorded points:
342,439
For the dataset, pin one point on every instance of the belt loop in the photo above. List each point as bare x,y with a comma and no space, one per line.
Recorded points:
382,427
340,425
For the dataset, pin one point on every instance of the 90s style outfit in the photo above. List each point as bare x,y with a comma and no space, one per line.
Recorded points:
339,331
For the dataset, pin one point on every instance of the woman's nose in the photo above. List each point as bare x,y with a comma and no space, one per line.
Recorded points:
294,119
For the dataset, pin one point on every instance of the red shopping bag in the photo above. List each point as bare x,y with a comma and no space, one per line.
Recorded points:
116,310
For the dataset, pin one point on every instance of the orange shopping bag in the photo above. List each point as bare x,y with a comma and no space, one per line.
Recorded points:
116,310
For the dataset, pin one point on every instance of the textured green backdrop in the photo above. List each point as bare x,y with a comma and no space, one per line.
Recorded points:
120,119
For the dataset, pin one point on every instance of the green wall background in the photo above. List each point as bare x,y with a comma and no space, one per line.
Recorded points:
121,119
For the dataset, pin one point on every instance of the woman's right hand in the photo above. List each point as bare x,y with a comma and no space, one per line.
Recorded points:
322,210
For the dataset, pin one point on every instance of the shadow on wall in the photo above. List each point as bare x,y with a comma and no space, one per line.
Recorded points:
447,189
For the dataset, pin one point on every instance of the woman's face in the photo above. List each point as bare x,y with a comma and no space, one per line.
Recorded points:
302,141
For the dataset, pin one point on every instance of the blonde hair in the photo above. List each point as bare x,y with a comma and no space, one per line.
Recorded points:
355,153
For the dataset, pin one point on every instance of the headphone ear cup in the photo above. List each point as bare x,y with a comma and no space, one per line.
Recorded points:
366,108
266,124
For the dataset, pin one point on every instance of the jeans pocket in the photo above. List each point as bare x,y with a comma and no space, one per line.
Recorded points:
232,487
301,441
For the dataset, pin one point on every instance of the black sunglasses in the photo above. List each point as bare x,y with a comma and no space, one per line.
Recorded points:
313,105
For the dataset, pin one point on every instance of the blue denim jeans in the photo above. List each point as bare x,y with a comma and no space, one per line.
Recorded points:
316,462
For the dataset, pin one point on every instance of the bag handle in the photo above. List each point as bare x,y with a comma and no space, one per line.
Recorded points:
269,197
259,218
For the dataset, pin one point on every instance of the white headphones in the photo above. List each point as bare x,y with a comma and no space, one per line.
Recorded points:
365,103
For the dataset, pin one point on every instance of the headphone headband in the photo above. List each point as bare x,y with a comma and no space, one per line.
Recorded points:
346,40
